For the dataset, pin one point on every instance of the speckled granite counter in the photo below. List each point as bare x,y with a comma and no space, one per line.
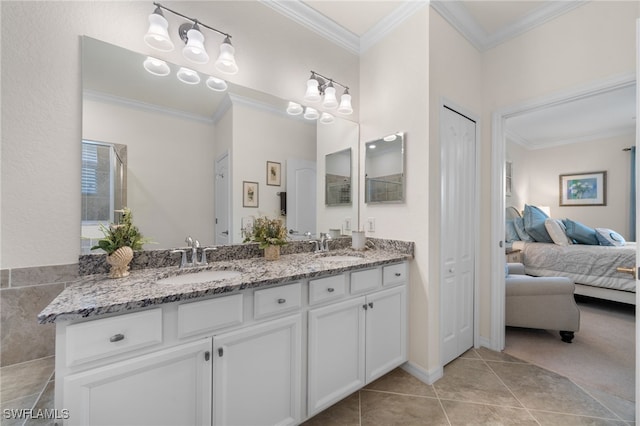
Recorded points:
95,295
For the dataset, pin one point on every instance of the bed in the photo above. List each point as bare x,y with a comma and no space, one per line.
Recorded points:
593,268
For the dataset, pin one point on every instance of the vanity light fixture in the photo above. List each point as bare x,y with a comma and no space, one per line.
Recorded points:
188,76
318,85
157,37
216,84
326,118
311,113
294,108
156,66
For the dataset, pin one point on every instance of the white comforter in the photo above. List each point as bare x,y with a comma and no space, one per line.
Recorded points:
585,264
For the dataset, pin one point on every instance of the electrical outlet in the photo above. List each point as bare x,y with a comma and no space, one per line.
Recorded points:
371,224
347,224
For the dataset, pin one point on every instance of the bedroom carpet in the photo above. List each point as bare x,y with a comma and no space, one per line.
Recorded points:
601,357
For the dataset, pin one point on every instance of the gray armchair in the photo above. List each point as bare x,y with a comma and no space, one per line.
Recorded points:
541,302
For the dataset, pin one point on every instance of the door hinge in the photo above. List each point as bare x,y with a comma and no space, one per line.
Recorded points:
220,351
207,356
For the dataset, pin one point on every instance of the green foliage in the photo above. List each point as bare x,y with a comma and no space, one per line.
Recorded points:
268,232
121,235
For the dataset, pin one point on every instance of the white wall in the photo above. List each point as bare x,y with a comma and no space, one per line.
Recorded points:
518,155
170,169
544,166
41,99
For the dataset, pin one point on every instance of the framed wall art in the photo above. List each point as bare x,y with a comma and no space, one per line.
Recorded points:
249,194
583,189
273,173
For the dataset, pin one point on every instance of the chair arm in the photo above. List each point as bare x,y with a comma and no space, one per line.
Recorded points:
525,285
516,268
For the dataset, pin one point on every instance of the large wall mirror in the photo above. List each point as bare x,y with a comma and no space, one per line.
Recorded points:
338,178
192,151
384,170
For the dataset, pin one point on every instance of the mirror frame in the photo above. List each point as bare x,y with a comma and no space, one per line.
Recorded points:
399,138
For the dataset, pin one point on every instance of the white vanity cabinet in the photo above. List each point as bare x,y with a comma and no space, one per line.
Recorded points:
167,387
354,342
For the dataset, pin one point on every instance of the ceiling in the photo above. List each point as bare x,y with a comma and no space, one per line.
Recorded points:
357,25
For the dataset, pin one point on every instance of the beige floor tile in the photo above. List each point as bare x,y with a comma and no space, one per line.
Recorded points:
466,413
26,402
556,419
26,378
473,381
343,413
399,381
387,409
540,389
624,409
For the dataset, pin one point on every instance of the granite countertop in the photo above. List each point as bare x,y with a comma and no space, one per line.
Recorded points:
95,295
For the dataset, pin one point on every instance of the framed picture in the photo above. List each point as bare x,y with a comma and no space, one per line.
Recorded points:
273,173
583,189
249,194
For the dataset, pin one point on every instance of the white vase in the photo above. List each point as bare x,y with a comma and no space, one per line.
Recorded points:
272,252
119,261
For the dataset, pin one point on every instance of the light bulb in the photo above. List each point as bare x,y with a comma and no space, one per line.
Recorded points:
216,84
326,118
156,66
345,104
294,108
330,100
312,94
158,35
311,113
226,62
194,50
188,76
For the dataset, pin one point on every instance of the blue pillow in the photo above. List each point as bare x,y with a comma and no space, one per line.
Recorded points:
511,234
580,233
518,223
609,237
534,224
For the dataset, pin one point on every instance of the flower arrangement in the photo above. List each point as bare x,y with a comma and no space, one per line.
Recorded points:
267,232
124,234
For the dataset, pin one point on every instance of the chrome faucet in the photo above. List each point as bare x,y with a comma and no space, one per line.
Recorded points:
324,241
194,245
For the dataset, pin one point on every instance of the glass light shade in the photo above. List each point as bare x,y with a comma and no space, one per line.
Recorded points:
194,50
330,100
188,76
311,113
157,35
156,66
226,62
345,104
216,84
326,118
312,94
294,108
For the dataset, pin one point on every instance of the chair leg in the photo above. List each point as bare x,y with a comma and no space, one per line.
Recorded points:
567,336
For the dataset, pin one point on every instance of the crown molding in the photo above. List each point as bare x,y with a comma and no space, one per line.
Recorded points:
459,17
389,23
552,143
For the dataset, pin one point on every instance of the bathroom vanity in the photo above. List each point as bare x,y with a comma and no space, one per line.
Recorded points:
266,343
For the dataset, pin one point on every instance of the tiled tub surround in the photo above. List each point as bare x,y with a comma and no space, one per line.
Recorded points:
97,294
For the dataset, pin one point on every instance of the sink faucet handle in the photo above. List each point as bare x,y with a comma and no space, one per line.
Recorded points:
203,260
183,260
189,241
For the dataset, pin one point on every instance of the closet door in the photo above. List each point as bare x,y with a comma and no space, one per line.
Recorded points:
457,253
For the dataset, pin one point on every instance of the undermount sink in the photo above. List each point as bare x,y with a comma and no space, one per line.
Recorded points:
200,277
340,258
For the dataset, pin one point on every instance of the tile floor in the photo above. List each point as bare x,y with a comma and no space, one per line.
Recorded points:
479,388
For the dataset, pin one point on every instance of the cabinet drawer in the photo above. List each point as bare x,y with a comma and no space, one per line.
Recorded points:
276,300
209,315
97,339
362,281
329,288
394,274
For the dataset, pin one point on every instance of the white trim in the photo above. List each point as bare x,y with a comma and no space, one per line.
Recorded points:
459,17
497,183
387,24
551,143
428,377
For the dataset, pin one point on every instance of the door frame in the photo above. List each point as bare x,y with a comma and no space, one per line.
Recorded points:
449,104
497,340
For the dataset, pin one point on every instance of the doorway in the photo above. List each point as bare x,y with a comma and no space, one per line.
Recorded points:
222,206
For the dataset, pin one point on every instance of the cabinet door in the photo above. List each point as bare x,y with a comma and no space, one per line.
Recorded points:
257,374
386,331
168,387
336,353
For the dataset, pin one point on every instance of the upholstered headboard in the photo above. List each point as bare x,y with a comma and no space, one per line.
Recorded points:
512,213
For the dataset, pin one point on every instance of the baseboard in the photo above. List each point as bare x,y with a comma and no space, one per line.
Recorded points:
486,343
428,377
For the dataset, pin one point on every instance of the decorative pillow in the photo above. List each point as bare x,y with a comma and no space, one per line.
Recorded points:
511,234
582,234
518,223
609,237
557,231
534,224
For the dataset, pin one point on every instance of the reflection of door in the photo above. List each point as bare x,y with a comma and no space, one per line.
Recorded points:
457,252
301,196
222,202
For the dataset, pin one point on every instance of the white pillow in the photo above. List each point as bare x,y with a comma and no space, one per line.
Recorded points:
609,237
557,231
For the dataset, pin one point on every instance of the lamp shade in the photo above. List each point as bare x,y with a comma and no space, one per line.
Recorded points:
194,50
226,62
330,100
294,108
326,118
156,66
158,35
188,76
345,104
216,84
311,113
312,94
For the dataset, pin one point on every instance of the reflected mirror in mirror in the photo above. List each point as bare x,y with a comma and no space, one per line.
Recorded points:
338,178
384,170
190,148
